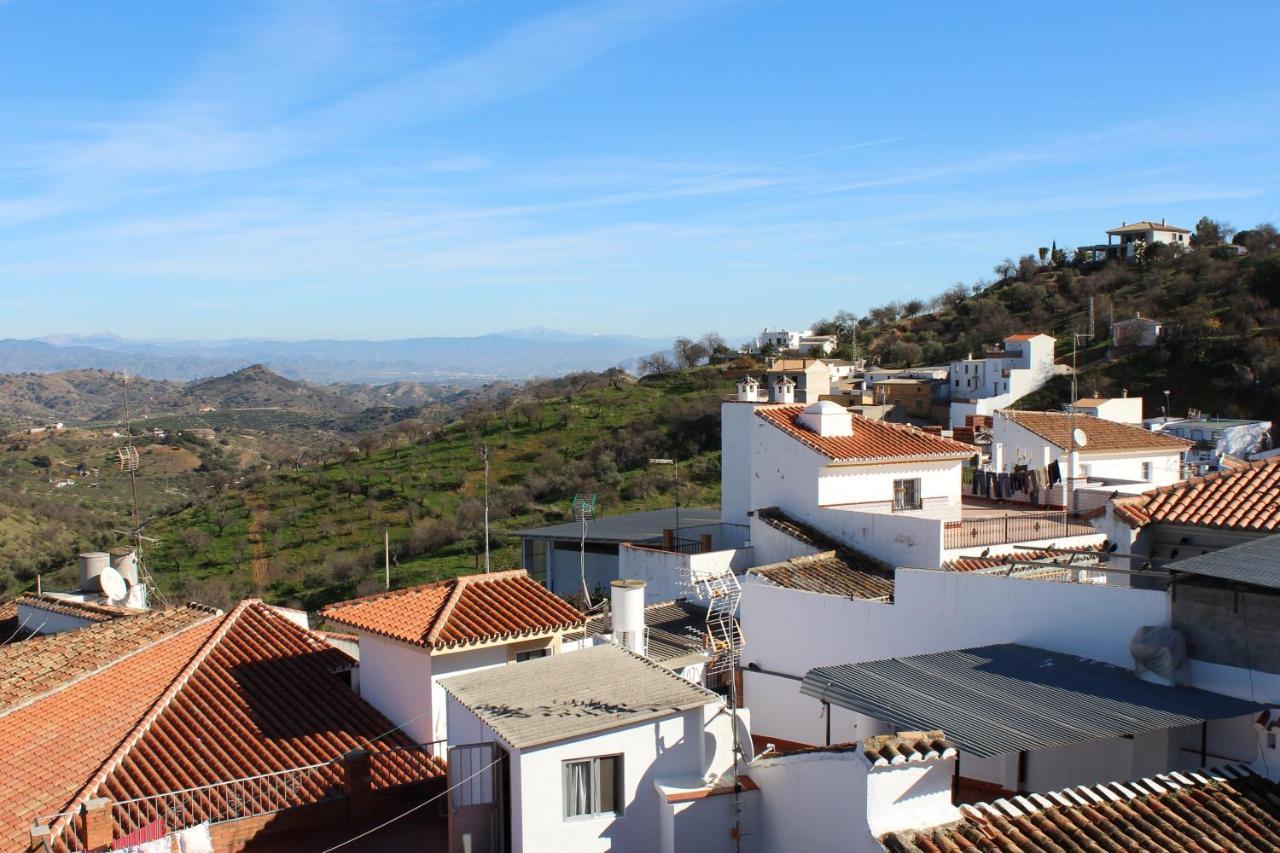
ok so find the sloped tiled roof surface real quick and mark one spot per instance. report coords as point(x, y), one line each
point(460, 611)
point(835, 570)
point(1145, 225)
point(40, 664)
point(563, 696)
point(1228, 809)
point(11, 628)
point(1246, 498)
point(225, 697)
point(1099, 434)
point(871, 440)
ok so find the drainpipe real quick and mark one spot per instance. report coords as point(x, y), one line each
point(826, 709)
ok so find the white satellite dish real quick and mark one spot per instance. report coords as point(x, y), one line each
point(113, 586)
point(1080, 438)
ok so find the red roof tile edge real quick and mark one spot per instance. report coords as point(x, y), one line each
point(1127, 508)
point(812, 440)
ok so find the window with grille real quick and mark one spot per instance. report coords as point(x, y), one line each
point(593, 787)
point(906, 494)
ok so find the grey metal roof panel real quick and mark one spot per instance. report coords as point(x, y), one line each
point(631, 527)
point(1256, 563)
point(567, 695)
point(1008, 698)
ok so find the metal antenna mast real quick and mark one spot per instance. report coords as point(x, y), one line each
point(485, 453)
point(1071, 426)
point(129, 460)
point(584, 510)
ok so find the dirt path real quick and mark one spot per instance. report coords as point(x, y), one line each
point(257, 513)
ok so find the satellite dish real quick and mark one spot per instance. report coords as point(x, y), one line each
point(113, 586)
point(1079, 437)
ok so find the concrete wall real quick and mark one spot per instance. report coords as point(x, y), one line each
point(395, 678)
point(897, 538)
point(565, 571)
point(666, 574)
point(736, 423)
point(1231, 628)
point(812, 800)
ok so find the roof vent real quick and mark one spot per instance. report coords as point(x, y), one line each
point(783, 390)
point(827, 419)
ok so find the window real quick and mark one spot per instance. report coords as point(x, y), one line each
point(906, 494)
point(1146, 472)
point(593, 787)
point(531, 654)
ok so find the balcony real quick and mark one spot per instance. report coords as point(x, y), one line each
point(1004, 527)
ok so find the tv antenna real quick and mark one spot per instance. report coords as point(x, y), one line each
point(584, 510)
point(129, 460)
point(1076, 437)
point(484, 452)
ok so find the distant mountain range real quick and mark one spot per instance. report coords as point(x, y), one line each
point(515, 355)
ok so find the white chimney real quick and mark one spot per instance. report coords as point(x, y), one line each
point(909, 781)
point(748, 390)
point(827, 418)
point(626, 614)
point(91, 565)
point(783, 390)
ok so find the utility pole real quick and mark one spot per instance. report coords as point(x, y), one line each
point(386, 554)
point(486, 509)
point(1071, 425)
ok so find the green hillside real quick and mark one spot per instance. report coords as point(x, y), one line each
point(1222, 310)
point(315, 534)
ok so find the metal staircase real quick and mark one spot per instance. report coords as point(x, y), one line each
point(722, 592)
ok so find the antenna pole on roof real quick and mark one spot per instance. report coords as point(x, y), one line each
point(386, 554)
point(485, 451)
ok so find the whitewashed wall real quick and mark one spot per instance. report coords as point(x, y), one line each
point(395, 678)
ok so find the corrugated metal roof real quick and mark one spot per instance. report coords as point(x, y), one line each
point(1256, 563)
point(562, 696)
point(1008, 698)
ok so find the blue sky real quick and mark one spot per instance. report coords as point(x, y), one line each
point(391, 169)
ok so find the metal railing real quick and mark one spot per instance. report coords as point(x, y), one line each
point(1014, 527)
point(237, 798)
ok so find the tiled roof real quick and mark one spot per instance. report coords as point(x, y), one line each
point(460, 611)
point(834, 570)
point(883, 750)
point(975, 564)
point(223, 697)
point(87, 610)
point(1145, 225)
point(11, 628)
point(1025, 336)
point(829, 572)
point(1228, 809)
point(565, 696)
point(1246, 498)
point(1099, 434)
point(872, 441)
point(30, 669)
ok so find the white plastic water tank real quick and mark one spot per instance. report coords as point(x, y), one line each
point(125, 561)
point(91, 564)
point(626, 614)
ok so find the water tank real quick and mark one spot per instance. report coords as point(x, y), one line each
point(626, 614)
point(125, 561)
point(91, 565)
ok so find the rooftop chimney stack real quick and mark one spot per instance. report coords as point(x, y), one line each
point(626, 614)
point(748, 390)
point(783, 390)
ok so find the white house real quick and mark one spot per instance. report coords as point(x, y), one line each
point(1103, 457)
point(782, 340)
point(886, 489)
point(1122, 410)
point(998, 378)
point(817, 344)
point(601, 750)
point(411, 638)
point(1131, 237)
point(1137, 331)
point(1215, 438)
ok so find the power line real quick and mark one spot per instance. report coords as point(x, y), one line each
point(408, 812)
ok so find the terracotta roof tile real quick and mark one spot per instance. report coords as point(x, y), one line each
point(227, 697)
point(899, 748)
point(1099, 434)
point(41, 664)
point(1025, 336)
point(1244, 498)
point(1231, 809)
point(872, 441)
point(835, 570)
point(460, 611)
point(87, 610)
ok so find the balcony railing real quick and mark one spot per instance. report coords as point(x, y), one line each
point(1014, 527)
